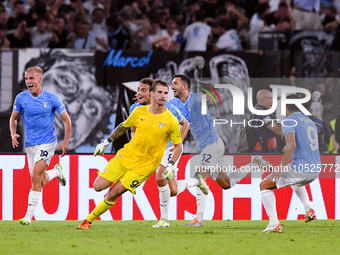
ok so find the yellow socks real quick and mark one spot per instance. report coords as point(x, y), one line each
point(102, 207)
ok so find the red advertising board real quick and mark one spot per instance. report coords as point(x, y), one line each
point(77, 198)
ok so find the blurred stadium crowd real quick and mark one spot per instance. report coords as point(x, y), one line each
point(176, 26)
point(167, 25)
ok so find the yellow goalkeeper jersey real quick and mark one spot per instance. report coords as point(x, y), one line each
point(144, 152)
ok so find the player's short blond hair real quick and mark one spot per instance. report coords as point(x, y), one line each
point(34, 69)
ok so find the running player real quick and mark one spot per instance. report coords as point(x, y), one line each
point(166, 187)
point(139, 159)
point(302, 147)
point(38, 108)
point(210, 146)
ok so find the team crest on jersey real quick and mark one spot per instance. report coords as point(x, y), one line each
point(161, 125)
point(104, 170)
point(45, 104)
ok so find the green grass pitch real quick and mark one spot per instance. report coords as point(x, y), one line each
point(138, 237)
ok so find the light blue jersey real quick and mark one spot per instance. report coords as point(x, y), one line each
point(306, 157)
point(173, 109)
point(201, 126)
point(38, 115)
point(183, 107)
point(134, 106)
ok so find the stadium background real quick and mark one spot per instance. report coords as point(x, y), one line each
point(108, 71)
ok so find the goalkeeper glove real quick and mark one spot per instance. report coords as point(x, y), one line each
point(100, 149)
point(169, 170)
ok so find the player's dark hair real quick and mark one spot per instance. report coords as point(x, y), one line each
point(293, 107)
point(158, 82)
point(184, 78)
point(147, 81)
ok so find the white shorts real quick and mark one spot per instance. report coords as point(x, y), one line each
point(212, 158)
point(39, 152)
point(290, 177)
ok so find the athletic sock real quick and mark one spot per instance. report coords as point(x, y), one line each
point(33, 199)
point(302, 194)
point(102, 207)
point(269, 203)
point(187, 183)
point(201, 200)
point(240, 173)
point(52, 174)
point(164, 201)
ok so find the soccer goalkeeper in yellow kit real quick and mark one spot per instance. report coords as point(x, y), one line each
point(139, 159)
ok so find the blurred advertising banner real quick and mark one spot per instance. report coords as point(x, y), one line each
point(91, 85)
point(242, 202)
point(95, 85)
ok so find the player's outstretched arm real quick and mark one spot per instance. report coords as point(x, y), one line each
point(68, 126)
point(177, 151)
point(289, 150)
point(117, 132)
point(13, 129)
point(185, 128)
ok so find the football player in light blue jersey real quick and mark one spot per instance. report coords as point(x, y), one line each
point(201, 126)
point(184, 107)
point(210, 147)
point(302, 146)
point(166, 182)
point(38, 107)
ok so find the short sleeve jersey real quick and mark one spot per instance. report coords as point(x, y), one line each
point(38, 115)
point(173, 109)
point(144, 152)
point(306, 157)
point(201, 126)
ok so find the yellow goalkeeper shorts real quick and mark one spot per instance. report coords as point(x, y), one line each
point(114, 171)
